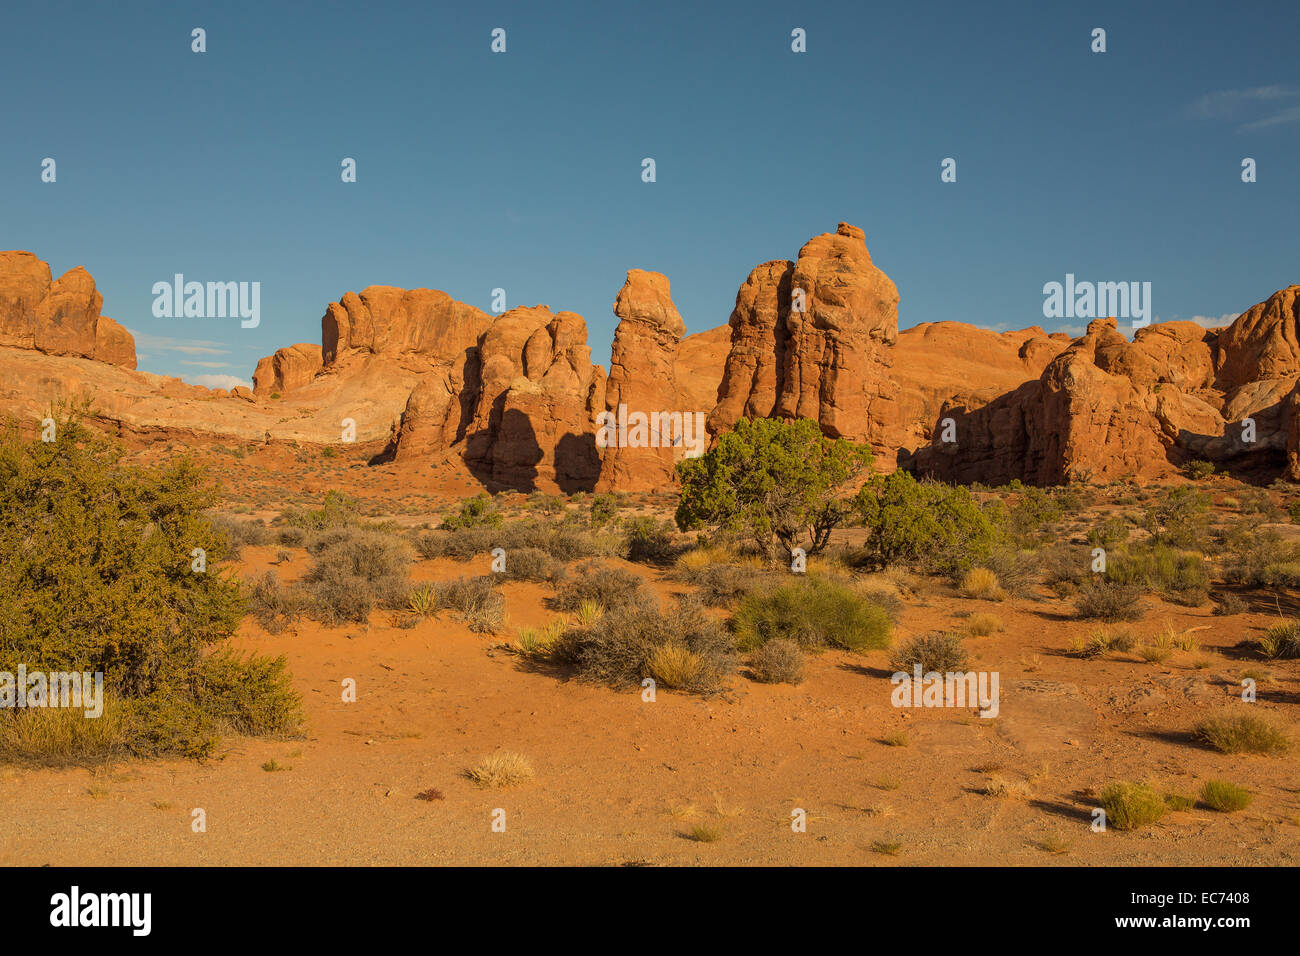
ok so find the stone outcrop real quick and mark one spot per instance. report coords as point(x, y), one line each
point(642, 380)
point(60, 317)
point(811, 339)
point(1107, 408)
point(287, 370)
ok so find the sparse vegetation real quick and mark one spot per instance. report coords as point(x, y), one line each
point(1130, 806)
point(925, 524)
point(501, 770)
point(1238, 733)
point(778, 661)
point(1225, 797)
point(934, 652)
point(813, 613)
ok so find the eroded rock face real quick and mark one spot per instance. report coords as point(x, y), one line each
point(812, 340)
point(837, 352)
point(1107, 408)
point(385, 320)
point(60, 317)
point(536, 400)
point(642, 380)
point(288, 369)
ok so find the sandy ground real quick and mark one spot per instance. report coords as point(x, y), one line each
point(622, 781)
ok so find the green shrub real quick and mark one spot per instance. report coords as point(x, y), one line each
point(1130, 806)
point(1243, 734)
point(649, 540)
point(1224, 796)
point(249, 694)
point(772, 481)
point(1293, 511)
point(336, 511)
point(1032, 515)
point(97, 574)
point(923, 524)
point(1180, 576)
point(604, 509)
point(1259, 558)
point(477, 512)
point(814, 613)
point(934, 652)
point(1198, 470)
point(1110, 533)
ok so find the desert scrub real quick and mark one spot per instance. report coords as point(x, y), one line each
point(532, 564)
point(1238, 733)
point(274, 604)
point(337, 510)
point(934, 652)
point(649, 540)
point(623, 646)
point(96, 575)
point(477, 601)
point(1180, 518)
point(610, 587)
point(724, 584)
point(1182, 577)
point(1225, 797)
point(1130, 806)
point(1282, 640)
point(1109, 601)
point(926, 524)
point(982, 625)
point(239, 532)
point(778, 661)
point(814, 613)
point(501, 770)
point(357, 570)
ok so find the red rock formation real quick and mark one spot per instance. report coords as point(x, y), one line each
point(537, 397)
point(288, 369)
point(813, 340)
point(642, 381)
point(60, 317)
point(1108, 408)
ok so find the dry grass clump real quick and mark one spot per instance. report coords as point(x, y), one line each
point(779, 661)
point(1237, 733)
point(477, 601)
point(501, 770)
point(1281, 641)
point(1130, 806)
point(1006, 788)
point(983, 584)
point(982, 625)
point(357, 570)
point(1224, 796)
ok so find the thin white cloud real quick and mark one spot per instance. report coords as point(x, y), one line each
point(1255, 108)
point(208, 364)
point(220, 381)
point(167, 343)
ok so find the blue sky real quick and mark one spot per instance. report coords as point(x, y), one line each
point(523, 170)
